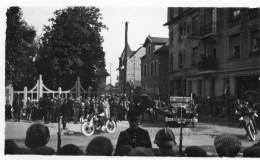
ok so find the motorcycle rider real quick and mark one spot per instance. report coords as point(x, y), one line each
point(101, 110)
point(242, 108)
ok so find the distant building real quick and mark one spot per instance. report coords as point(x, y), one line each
point(122, 65)
point(134, 71)
point(214, 50)
point(151, 78)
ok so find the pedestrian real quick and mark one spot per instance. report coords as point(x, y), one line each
point(64, 109)
point(134, 135)
point(165, 140)
point(76, 110)
point(106, 107)
point(46, 108)
point(114, 109)
point(17, 105)
point(71, 107)
point(100, 146)
point(8, 111)
point(28, 108)
point(88, 108)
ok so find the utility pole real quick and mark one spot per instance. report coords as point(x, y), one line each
point(125, 58)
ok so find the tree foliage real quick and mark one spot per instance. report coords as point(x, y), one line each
point(71, 47)
point(20, 48)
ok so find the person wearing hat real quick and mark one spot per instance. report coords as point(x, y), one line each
point(37, 136)
point(134, 135)
point(165, 140)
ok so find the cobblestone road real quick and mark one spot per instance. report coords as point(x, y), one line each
point(203, 134)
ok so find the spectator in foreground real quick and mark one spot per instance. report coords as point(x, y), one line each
point(252, 152)
point(99, 146)
point(124, 150)
point(38, 135)
point(12, 148)
point(195, 151)
point(141, 151)
point(227, 145)
point(165, 140)
point(133, 136)
point(70, 149)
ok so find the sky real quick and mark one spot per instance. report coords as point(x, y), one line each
point(144, 17)
point(142, 22)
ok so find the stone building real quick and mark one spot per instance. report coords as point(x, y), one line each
point(151, 79)
point(213, 50)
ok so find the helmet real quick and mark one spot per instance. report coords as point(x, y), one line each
point(37, 135)
point(165, 137)
point(227, 145)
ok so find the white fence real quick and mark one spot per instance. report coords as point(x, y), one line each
point(40, 89)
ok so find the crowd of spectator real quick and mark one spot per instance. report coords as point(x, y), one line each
point(134, 141)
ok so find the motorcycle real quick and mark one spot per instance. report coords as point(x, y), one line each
point(93, 123)
point(246, 121)
point(153, 113)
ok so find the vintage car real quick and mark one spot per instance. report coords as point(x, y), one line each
point(181, 111)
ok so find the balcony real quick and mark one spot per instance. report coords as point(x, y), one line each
point(234, 21)
point(207, 63)
point(208, 30)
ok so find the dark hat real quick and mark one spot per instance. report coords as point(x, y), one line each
point(252, 152)
point(227, 145)
point(133, 114)
point(165, 137)
point(44, 150)
point(100, 146)
point(140, 151)
point(195, 151)
point(37, 135)
point(70, 149)
point(124, 150)
point(10, 147)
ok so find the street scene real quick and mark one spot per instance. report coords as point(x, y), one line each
point(75, 87)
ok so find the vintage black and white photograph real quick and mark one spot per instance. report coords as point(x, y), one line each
point(131, 80)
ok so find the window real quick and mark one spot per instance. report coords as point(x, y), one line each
point(195, 25)
point(189, 87)
point(149, 50)
point(155, 68)
point(171, 37)
point(234, 51)
point(214, 52)
point(151, 71)
point(233, 17)
point(184, 58)
point(180, 60)
point(199, 87)
point(171, 63)
point(254, 43)
point(182, 30)
point(194, 56)
point(145, 71)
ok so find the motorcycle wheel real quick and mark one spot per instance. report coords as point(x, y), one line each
point(110, 126)
point(251, 131)
point(87, 129)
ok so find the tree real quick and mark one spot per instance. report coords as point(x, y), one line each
point(20, 50)
point(71, 47)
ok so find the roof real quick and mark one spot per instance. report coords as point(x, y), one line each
point(143, 57)
point(157, 40)
point(102, 72)
point(163, 49)
point(133, 53)
point(129, 52)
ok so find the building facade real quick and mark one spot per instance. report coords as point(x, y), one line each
point(122, 78)
point(134, 71)
point(213, 50)
point(150, 66)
